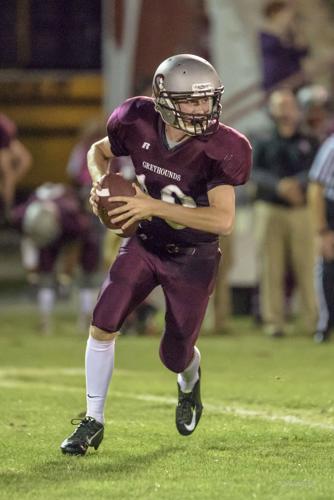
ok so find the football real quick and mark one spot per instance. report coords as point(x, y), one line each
point(114, 185)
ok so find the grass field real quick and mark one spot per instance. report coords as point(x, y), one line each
point(266, 431)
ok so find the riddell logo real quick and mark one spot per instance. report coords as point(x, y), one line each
point(146, 145)
point(200, 87)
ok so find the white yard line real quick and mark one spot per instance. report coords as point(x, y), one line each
point(42, 372)
point(266, 415)
point(233, 410)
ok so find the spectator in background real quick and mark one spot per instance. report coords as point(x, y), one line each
point(317, 113)
point(282, 46)
point(53, 218)
point(321, 198)
point(80, 180)
point(283, 230)
point(77, 170)
point(15, 161)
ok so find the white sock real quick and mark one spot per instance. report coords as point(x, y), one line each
point(99, 367)
point(46, 300)
point(87, 300)
point(188, 378)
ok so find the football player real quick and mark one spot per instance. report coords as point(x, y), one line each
point(15, 161)
point(187, 164)
point(52, 219)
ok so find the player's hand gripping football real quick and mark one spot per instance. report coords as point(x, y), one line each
point(138, 207)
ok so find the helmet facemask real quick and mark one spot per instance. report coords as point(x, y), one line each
point(168, 104)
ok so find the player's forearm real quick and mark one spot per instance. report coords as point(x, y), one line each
point(97, 163)
point(209, 219)
point(98, 158)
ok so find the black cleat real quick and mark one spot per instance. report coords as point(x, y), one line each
point(189, 408)
point(89, 432)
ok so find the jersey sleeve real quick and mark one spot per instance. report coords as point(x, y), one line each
point(119, 124)
point(234, 167)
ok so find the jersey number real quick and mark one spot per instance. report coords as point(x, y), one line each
point(171, 194)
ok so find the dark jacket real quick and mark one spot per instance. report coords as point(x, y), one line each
point(276, 157)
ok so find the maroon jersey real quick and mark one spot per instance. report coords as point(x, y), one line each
point(72, 220)
point(7, 131)
point(182, 174)
point(75, 224)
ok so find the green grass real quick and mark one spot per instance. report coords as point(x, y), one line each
point(266, 431)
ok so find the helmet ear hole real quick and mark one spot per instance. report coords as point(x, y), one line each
point(187, 77)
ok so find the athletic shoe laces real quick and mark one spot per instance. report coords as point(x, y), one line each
point(186, 405)
point(85, 426)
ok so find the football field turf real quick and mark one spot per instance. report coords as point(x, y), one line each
point(267, 430)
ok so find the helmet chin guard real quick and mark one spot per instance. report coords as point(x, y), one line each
point(186, 77)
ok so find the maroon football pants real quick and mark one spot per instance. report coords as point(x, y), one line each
point(186, 280)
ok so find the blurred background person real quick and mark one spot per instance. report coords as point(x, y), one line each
point(79, 178)
point(76, 169)
point(15, 161)
point(321, 198)
point(53, 218)
point(283, 230)
point(282, 46)
point(317, 108)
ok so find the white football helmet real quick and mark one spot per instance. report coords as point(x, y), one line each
point(313, 95)
point(186, 77)
point(41, 222)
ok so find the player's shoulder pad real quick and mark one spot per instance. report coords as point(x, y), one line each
point(227, 141)
point(133, 109)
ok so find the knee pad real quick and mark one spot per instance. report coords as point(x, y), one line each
point(176, 360)
point(99, 334)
